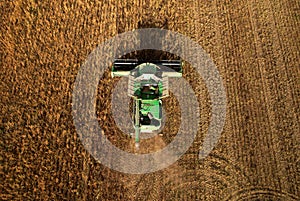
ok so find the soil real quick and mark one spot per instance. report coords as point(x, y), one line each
point(255, 46)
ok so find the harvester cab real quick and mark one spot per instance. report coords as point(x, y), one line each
point(148, 84)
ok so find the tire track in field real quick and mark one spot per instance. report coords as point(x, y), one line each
point(277, 92)
point(236, 45)
point(261, 193)
point(286, 24)
point(258, 49)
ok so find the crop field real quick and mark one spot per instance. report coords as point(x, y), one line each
point(255, 46)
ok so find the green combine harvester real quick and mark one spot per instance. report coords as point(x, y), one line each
point(148, 84)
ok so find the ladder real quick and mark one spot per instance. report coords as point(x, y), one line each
point(131, 85)
point(165, 81)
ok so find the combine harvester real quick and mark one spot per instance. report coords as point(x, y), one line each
point(148, 84)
